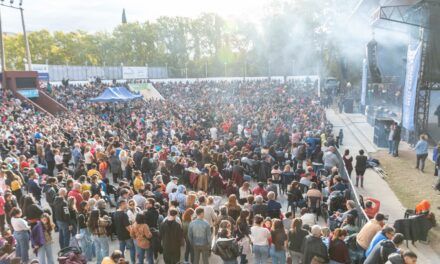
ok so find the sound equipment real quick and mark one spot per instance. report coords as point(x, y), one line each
point(372, 62)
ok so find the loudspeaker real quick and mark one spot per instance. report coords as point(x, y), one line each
point(372, 62)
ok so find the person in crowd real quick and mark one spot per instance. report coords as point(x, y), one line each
point(349, 225)
point(384, 249)
point(171, 234)
point(396, 139)
point(406, 257)
point(122, 229)
point(296, 237)
point(348, 161)
point(372, 207)
point(360, 168)
point(313, 246)
point(369, 230)
point(273, 206)
point(186, 220)
point(243, 232)
point(62, 218)
point(260, 240)
point(421, 152)
point(226, 247)
point(259, 208)
point(387, 232)
point(279, 242)
point(199, 236)
point(42, 241)
point(85, 236)
point(114, 258)
point(307, 218)
point(337, 249)
point(21, 234)
point(98, 224)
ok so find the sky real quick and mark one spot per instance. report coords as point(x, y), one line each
point(104, 15)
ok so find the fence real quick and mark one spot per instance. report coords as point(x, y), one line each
point(83, 73)
point(362, 217)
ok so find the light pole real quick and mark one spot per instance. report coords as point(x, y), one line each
point(166, 66)
point(3, 56)
point(293, 67)
point(225, 68)
point(26, 41)
point(186, 70)
point(148, 74)
point(245, 69)
point(206, 69)
point(86, 70)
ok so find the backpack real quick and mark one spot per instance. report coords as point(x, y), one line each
point(15, 185)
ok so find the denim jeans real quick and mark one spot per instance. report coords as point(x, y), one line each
point(390, 146)
point(22, 248)
point(278, 257)
point(141, 253)
point(86, 243)
point(296, 256)
point(64, 238)
point(201, 250)
point(101, 247)
point(46, 252)
point(261, 253)
point(128, 244)
point(189, 253)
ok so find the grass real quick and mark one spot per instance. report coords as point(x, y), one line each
point(411, 185)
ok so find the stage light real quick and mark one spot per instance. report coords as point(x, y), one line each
point(20, 3)
point(12, 1)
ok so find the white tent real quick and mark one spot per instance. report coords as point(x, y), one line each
point(147, 90)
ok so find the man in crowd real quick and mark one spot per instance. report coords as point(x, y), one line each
point(199, 235)
point(122, 226)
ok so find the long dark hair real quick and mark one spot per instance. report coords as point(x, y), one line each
point(92, 224)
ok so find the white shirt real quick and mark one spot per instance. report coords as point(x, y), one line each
point(209, 214)
point(260, 236)
point(170, 186)
point(88, 158)
point(213, 131)
point(19, 224)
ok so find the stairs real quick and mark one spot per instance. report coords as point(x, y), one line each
point(44, 103)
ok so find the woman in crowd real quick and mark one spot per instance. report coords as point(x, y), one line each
point(338, 250)
point(42, 240)
point(421, 152)
point(296, 237)
point(360, 168)
point(85, 238)
point(260, 239)
point(286, 178)
point(279, 242)
point(186, 220)
point(243, 232)
point(226, 247)
point(21, 234)
point(244, 192)
point(97, 225)
point(141, 234)
point(233, 207)
point(348, 161)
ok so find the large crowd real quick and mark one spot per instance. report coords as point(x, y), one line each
point(246, 170)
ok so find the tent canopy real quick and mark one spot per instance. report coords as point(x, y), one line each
point(115, 94)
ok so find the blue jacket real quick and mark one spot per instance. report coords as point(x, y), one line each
point(199, 233)
point(422, 147)
point(181, 197)
point(376, 240)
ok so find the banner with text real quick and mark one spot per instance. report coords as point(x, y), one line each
point(410, 89)
point(134, 73)
point(364, 81)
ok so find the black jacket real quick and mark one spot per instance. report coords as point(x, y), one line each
point(296, 240)
point(380, 253)
point(414, 228)
point(60, 210)
point(226, 248)
point(313, 246)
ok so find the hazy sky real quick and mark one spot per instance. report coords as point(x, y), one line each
point(99, 15)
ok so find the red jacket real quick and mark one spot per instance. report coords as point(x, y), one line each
point(77, 195)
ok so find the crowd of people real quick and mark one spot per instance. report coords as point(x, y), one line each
point(246, 170)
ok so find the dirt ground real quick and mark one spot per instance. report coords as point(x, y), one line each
point(411, 185)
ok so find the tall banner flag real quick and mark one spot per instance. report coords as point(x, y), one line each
point(364, 81)
point(410, 89)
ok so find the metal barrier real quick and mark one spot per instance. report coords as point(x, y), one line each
point(362, 216)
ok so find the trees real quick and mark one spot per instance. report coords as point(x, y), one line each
point(295, 35)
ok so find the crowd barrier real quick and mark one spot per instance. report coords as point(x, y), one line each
point(362, 217)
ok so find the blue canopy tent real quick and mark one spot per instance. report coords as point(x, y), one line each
point(115, 94)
